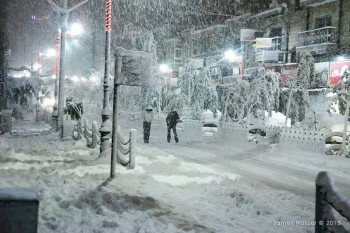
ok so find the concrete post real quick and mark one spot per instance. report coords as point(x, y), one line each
point(118, 69)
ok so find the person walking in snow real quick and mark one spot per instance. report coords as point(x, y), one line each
point(147, 117)
point(171, 120)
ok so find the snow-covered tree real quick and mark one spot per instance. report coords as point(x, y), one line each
point(264, 91)
point(200, 93)
point(24, 95)
point(298, 95)
point(305, 77)
point(235, 100)
point(243, 98)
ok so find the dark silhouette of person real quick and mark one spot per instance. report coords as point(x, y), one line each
point(171, 120)
point(147, 116)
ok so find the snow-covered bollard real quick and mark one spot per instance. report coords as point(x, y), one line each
point(95, 140)
point(326, 200)
point(78, 130)
point(19, 208)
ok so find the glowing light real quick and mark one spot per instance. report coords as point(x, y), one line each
point(75, 79)
point(230, 55)
point(76, 29)
point(164, 68)
point(48, 102)
point(51, 53)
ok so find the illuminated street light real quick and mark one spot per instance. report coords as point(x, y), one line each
point(231, 56)
point(76, 29)
point(164, 68)
point(63, 12)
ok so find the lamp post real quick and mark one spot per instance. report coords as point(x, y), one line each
point(231, 56)
point(64, 19)
point(57, 68)
point(63, 12)
point(106, 126)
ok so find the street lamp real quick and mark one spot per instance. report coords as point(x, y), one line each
point(76, 29)
point(231, 56)
point(63, 12)
point(165, 69)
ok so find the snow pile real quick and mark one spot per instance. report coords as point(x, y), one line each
point(30, 128)
point(208, 117)
point(276, 119)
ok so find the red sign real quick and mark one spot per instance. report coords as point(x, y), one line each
point(337, 70)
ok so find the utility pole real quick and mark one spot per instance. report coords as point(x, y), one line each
point(63, 12)
point(62, 74)
point(106, 126)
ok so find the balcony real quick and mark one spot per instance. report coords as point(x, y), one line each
point(318, 40)
point(315, 3)
point(273, 52)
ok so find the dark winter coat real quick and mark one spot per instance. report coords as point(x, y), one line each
point(172, 119)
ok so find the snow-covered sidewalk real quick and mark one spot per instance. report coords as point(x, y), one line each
point(164, 193)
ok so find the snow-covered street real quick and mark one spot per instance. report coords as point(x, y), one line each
point(197, 185)
point(174, 116)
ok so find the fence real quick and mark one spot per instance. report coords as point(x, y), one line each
point(126, 146)
point(289, 137)
point(328, 200)
point(304, 139)
point(91, 135)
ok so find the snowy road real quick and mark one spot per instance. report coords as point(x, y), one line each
point(261, 163)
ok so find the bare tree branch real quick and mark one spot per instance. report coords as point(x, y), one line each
point(76, 6)
point(33, 73)
point(54, 7)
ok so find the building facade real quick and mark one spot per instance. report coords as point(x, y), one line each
point(272, 36)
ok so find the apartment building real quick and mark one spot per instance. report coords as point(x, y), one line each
point(272, 37)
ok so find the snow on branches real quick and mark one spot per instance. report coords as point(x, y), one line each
point(242, 98)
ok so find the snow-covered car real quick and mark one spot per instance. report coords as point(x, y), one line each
point(209, 129)
point(255, 134)
point(210, 123)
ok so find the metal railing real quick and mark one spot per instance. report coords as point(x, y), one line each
point(276, 44)
point(328, 200)
point(325, 35)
